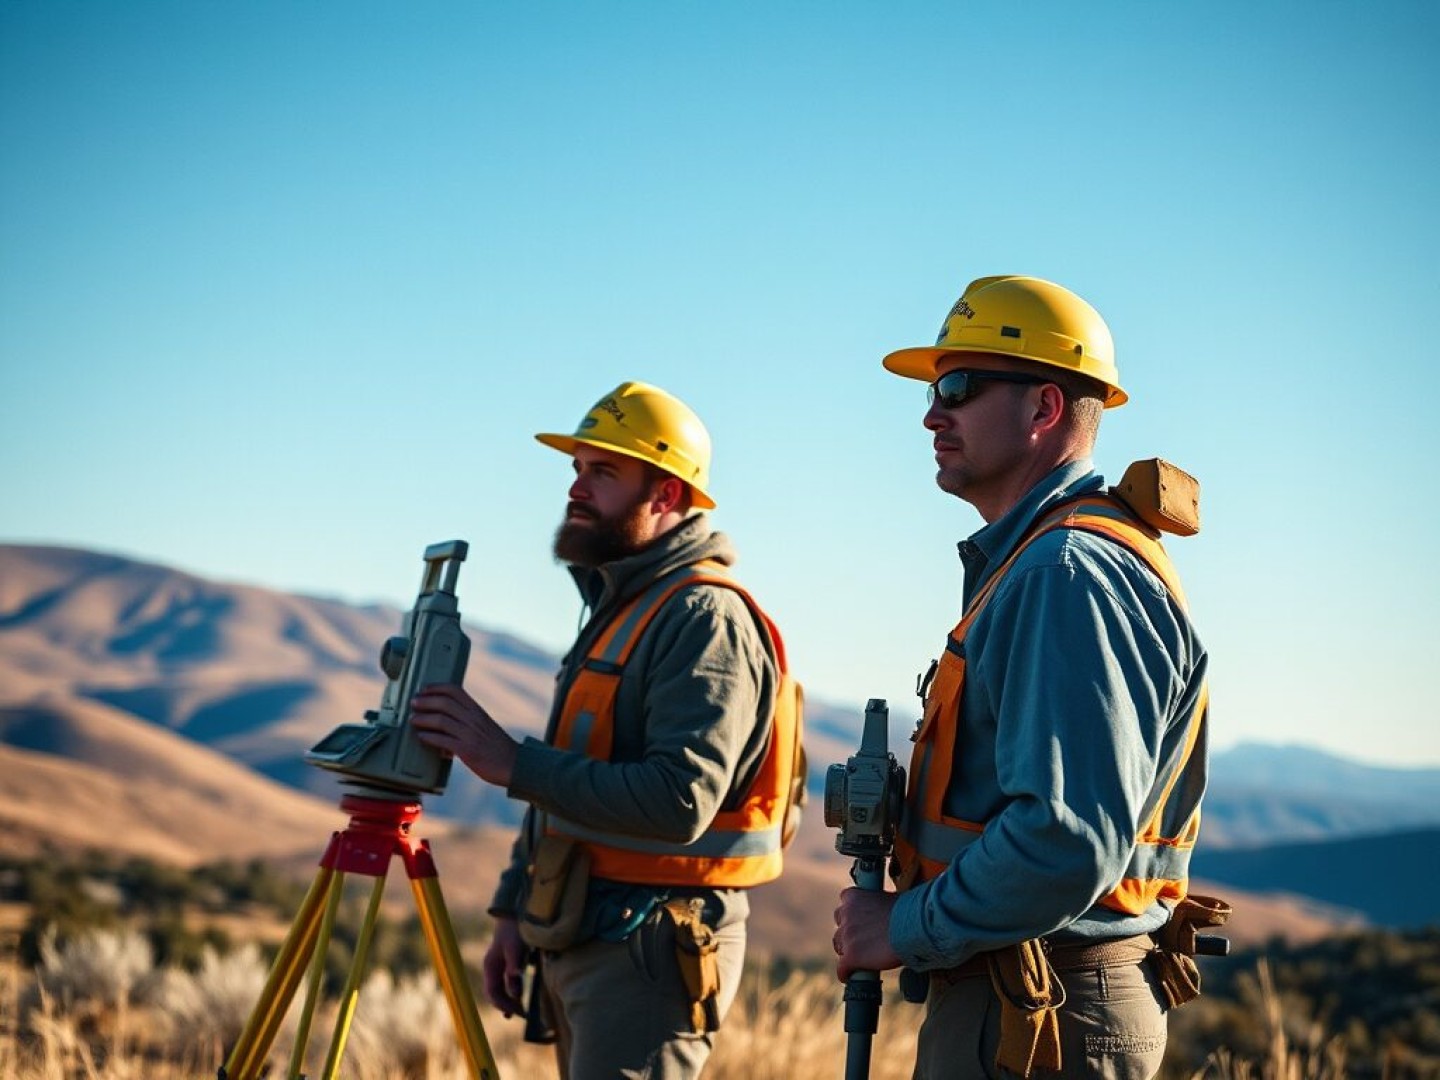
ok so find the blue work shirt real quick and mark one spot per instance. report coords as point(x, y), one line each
point(1081, 674)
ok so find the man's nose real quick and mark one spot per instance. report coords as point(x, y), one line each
point(579, 490)
point(937, 418)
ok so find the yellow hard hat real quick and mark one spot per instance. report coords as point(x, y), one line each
point(643, 421)
point(1026, 318)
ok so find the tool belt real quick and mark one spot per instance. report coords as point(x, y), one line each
point(698, 953)
point(1114, 953)
point(1024, 978)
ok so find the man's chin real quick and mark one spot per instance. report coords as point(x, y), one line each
point(570, 542)
point(952, 482)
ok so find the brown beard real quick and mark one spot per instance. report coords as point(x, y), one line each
point(602, 540)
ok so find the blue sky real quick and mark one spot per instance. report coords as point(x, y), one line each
point(285, 289)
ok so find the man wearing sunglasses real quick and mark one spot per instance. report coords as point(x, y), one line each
point(666, 782)
point(1055, 781)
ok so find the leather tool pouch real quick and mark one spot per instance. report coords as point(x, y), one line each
point(1164, 496)
point(1029, 997)
point(1173, 961)
point(555, 903)
point(698, 954)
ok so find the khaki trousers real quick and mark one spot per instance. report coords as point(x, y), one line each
point(621, 1009)
point(1112, 1027)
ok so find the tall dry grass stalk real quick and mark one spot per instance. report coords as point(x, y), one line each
point(196, 1012)
point(9, 1003)
point(1297, 1047)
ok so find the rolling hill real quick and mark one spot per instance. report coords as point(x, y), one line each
point(163, 714)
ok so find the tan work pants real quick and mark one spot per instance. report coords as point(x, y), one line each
point(621, 1009)
point(1112, 1027)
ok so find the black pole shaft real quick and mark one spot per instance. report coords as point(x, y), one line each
point(857, 1058)
point(863, 988)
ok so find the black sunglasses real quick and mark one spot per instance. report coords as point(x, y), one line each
point(954, 388)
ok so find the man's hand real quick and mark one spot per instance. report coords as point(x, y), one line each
point(862, 932)
point(503, 966)
point(447, 718)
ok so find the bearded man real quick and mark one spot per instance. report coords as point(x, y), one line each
point(658, 795)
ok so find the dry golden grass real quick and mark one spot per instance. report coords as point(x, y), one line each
point(96, 1010)
point(1317, 1056)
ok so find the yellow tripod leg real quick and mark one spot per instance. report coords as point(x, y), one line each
point(247, 1057)
point(350, 995)
point(450, 968)
point(317, 976)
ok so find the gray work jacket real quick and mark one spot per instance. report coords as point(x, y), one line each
point(692, 713)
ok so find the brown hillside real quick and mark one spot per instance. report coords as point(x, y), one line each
point(180, 804)
point(150, 712)
point(258, 675)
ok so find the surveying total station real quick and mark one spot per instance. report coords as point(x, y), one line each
point(387, 769)
point(862, 799)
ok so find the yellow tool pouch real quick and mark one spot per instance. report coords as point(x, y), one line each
point(1173, 960)
point(698, 954)
point(559, 874)
point(1029, 996)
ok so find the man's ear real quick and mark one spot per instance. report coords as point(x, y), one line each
point(667, 495)
point(1049, 409)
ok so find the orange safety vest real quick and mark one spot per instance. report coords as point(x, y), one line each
point(929, 838)
point(741, 847)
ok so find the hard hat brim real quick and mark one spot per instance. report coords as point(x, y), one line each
point(918, 363)
point(566, 445)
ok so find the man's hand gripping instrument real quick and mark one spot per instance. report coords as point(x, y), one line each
point(384, 753)
point(863, 798)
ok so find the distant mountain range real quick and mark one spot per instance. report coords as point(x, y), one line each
point(1269, 794)
point(170, 713)
point(1392, 878)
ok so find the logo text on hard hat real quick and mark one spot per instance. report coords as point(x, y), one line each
point(960, 308)
point(608, 405)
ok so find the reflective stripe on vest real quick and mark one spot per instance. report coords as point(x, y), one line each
point(741, 847)
point(929, 838)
